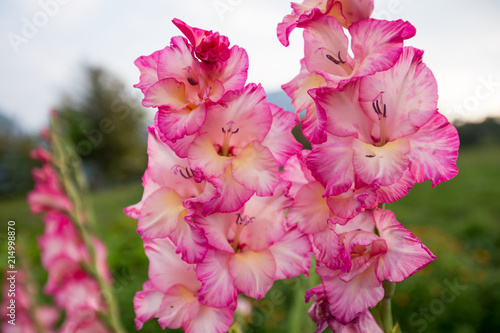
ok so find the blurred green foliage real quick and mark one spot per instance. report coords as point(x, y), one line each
point(458, 221)
point(107, 127)
point(15, 163)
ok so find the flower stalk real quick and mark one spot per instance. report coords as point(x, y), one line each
point(73, 183)
point(389, 288)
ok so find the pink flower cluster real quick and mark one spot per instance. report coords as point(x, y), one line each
point(63, 252)
point(213, 213)
point(23, 308)
point(372, 119)
point(217, 216)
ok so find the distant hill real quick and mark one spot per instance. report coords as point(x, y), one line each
point(485, 133)
point(281, 99)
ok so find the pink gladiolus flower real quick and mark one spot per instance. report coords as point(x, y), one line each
point(41, 154)
point(180, 84)
point(46, 316)
point(209, 47)
point(320, 314)
point(393, 132)
point(169, 183)
point(313, 208)
point(250, 249)
point(345, 11)
point(63, 252)
point(353, 281)
point(83, 321)
point(171, 294)
point(376, 46)
point(240, 147)
point(47, 194)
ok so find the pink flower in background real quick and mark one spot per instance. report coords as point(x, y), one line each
point(44, 315)
point(345, 11)
point(376, 46)
point(353, 281)
point(63, 253)
point(385, 138)
point(171, 294)
point(83, 321)
point(47, 194)
point(41, 154)
point(183, 77)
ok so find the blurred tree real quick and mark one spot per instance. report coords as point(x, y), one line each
point(487, 132)
point(107, 127)
point(15, 163)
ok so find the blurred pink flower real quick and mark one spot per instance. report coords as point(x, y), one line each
point(46, 316)
point(47, 194)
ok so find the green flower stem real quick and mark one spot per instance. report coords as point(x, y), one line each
point(79, 216)
point(384, 313)
point(389, 288)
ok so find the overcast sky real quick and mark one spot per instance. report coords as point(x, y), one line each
point(42, 55)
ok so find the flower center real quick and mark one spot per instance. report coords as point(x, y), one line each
point(382, 114)
point(336, 58)
point(191, 76)
point(241, 222)
point(188, 173)
point(228, 132)
point(185, 172)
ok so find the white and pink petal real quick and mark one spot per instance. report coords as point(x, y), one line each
point(166, 268)
point(280, 140)
point(349, 299)
point(434, 151)
point(211, 320)
point(256, 169)
point(310, 210)
point(168, 93)
point(178, 306)
point(331, 163)
point(253, 272)
point(160, 213)
point(218, 286)
point(405, 255)
point(381, 166)
point(175, 124)
point(292, 255)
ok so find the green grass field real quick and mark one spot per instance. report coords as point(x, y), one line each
point(458, 220)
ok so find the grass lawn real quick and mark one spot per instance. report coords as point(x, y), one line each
point(459, 221)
